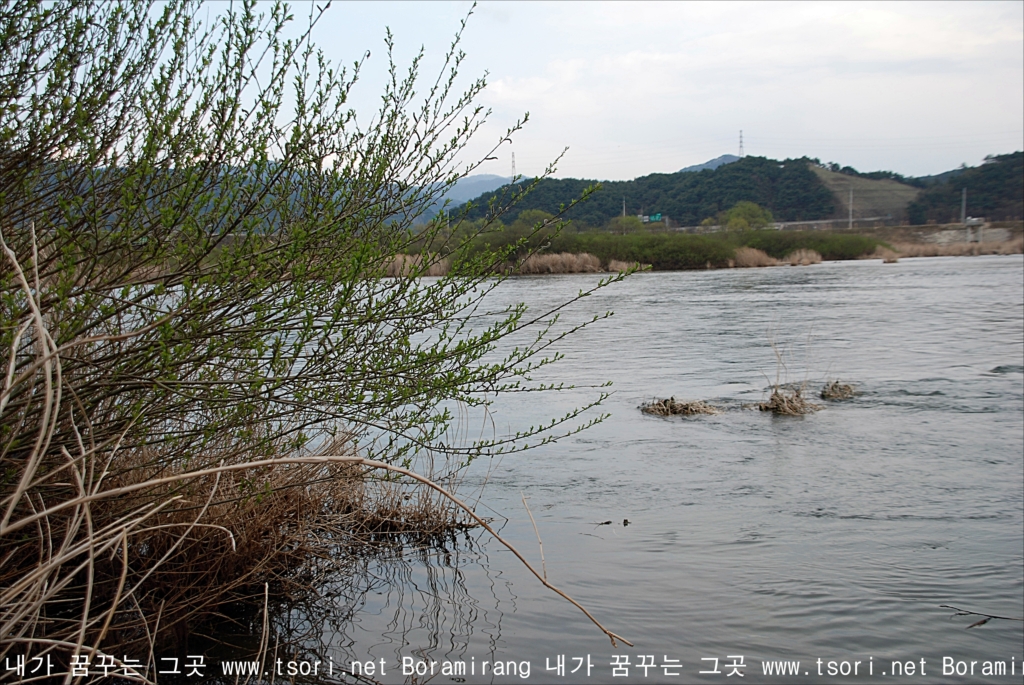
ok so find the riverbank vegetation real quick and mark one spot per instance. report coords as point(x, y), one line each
point(960, 249)
point(539, 249)
point(533, 235)
point(217, 383)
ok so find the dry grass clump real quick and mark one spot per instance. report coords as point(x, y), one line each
point(562, 263)
point(803, 257)
point(672, 407)
point(409, 265)
point(112, 539)
point(619, 265)
point(787, 402)
point(1004, 247)
point(750, 257)
point(885, 254)
point(164, 548)
point(390, 510)
point(834, 390)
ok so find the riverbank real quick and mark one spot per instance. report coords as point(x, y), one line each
point(593, 252)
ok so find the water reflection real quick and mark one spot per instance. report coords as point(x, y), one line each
point(384, 601)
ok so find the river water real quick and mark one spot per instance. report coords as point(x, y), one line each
point(751, 538)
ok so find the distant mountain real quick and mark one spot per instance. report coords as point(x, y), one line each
point(875, 193)
point(917, 182)
point(712, 164)
point(995, 190)
point(925, 181)
point(473, 186)
point(793, 190)
point(788, 188)
point(466, 189)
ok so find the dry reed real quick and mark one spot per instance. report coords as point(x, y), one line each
point(673, 407)
point(885, 254)
point(786, 399)
point(165, 545)
point(562, 263)
point(1005, 247)
point(803, 257)
point(164, 549)
point(750, 257)
point(619, 265)
point(403, 265)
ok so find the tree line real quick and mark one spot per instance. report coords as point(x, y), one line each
point(785, 190)
point(995, 190)
point(788, 189)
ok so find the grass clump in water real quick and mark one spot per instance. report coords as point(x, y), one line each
point(787, 401)
point(834, 390)
point(673, 407)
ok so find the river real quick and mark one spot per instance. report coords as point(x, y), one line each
point(752, 539)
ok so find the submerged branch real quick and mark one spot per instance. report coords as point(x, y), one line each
point(983, 621)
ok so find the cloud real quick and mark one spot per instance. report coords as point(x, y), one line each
point(639, 87)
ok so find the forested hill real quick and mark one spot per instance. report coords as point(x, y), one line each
point(789, 189)
point(995, 191)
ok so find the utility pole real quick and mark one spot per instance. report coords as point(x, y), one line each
point(963, 212)
point(741, 142)
point(623, 205)
point(513, 168)
point(850, 209)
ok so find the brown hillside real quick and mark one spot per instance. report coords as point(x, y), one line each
point(871, 198)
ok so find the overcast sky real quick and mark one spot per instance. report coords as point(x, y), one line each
point(636, 88)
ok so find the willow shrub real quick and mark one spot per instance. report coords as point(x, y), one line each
point(197, 230)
